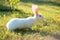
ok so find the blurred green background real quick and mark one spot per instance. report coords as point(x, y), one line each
point(49, 29)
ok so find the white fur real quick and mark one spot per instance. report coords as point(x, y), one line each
point(23, 22)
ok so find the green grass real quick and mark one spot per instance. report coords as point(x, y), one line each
point(49, 28)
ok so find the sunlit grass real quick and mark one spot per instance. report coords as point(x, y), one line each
point(50, 26)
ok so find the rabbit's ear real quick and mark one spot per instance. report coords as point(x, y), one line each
point(35, 9)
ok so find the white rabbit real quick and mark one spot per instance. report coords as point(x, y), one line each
point(25, 22)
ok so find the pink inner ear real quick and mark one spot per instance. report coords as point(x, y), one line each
point(36, 10)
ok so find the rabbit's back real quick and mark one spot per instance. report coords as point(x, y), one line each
point(19, 23)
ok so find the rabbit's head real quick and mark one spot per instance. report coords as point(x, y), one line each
point(40, 17)
point(35, 11)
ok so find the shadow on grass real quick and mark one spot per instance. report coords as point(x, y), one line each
point(7, 9)
point(41, 2)
point(30, 31)
point(4, 10)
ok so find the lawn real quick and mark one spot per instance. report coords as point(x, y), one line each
point(47, 30)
